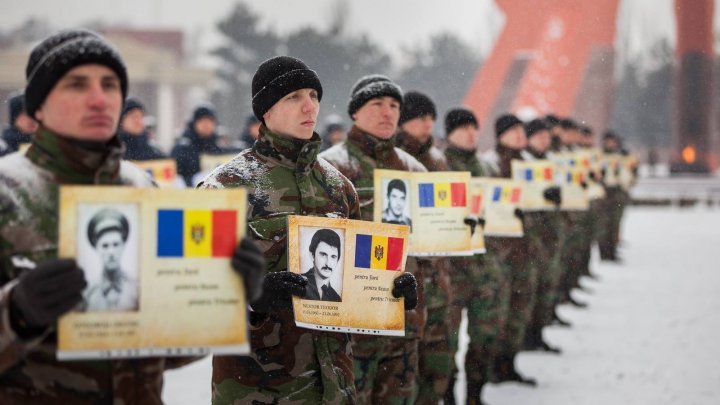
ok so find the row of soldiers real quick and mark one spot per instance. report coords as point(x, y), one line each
point(76, 85)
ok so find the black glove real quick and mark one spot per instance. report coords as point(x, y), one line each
point(519, 214)
point(553, 194)
point(481, 222)
point(249, 263)
point(584, 185)
point(472, 223)
point(45, 293)
point(594, 177)
point(277, 289)
point(405, 286)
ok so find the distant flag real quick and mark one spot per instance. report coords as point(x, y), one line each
point(378, 252)
point(442, 195)
point(475, 204)
point(196, 233)
point(506, 194)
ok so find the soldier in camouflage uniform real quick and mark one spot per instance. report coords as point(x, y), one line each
point(76, 85)
point(436, 361)
point(542, 230)
point(474, 286)
point(613, 206)
point(386, 368)
point(589, 222)
point(284, 177)
point(574, 238)
point(508, 258)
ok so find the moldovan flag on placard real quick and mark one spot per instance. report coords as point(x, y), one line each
point(196, 233)
point(378, 252)
point(538, 174)
point(506, 194)
point(442, 195)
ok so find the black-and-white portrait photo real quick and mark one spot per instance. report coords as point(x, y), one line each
point(108, 253)
point(396, 202)
point(321, 251)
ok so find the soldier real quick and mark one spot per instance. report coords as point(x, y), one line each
point(612, 208)
point(133, 134)
point(474, 286)
point(542, 230)
point(436, 361)
point(199, 137)
point(589, 222)
point(385, 367)
point(76, 84)
point(21, 127)
point(285, 177)
point(509, 256)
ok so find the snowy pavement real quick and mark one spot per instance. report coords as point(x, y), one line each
point(651, 333)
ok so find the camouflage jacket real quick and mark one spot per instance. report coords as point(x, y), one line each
point(357, 157)
point(29, 189)
point(284, 177)
point(425, 152)
point(463, 160)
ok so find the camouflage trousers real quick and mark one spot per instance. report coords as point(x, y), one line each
point(477, 287)
point(571, 255)
point(435, 356)
point(589, 225)
point(523, 283)
point(544, 245)
point(386, 369)
point(495, 280)
point(609, 226)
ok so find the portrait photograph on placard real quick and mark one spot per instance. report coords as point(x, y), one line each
point(396, 202)
point(108, 246)
point(322, 250)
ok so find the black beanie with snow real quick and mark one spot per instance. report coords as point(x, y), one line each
point(458, 117)
point(58, 54)
point(277, 77)
point(505, 122)
point(416, 105)
point(372, 86)
point(535, 126)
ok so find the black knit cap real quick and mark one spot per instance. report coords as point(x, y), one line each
point(416, 105)
point(16, 105)
point(505, 122)
point(204, 110)
point(277, 77)
point(458, 117)
point(372, 86)
point(59, 53)
point(535, 126)
point(132, 103)
point(568, 124)
point(552, 120)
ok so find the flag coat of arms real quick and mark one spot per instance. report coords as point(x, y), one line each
point(196, 233)
point(378, 252)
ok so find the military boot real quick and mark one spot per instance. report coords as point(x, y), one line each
point(505, 371)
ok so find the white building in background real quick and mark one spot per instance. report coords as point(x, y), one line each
point(159, 75)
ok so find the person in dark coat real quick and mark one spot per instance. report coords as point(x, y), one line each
point(200, 137)
point(134, 135)
point(21, 126)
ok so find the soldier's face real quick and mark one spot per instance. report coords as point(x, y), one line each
point(540, 141)
point(110, 247)
point(205, 126)
point(465, 137)
point(295, 115)
point(514, 138)
point(132, 122)
point(325, 259)
point(84, 104)
point(396, 202)
point(378, 117)
point(420, 127)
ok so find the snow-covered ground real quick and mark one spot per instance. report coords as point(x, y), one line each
point(651, 333)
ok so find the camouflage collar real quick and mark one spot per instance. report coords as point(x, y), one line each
point(297, 154)
point(76, 162)
point(462, 154)
point(412, 145)
point(370, 145)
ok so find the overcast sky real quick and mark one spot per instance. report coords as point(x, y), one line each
point(392, 23)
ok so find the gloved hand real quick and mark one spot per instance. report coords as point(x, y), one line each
point(594, 177)
point(472, 223)
point(553, 194)
point(405, 286)
point(277, 289)
point(45, 293)
point(584, 185)
point(249, 263)
point(519, 214)
point(481, 222)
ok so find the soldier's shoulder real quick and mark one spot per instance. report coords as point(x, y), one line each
point(16, 169)
point(411, 164)
point(332, 174)
point(438, 156)
point(244, 169)
point(337, 155)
